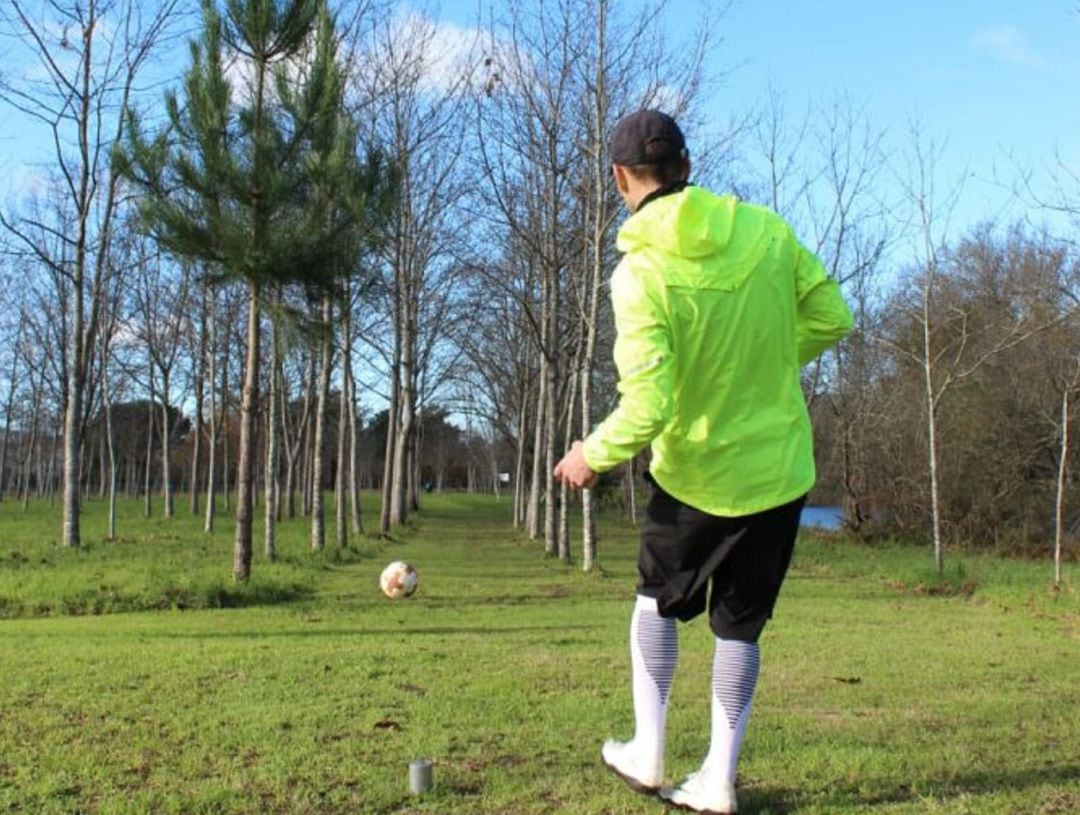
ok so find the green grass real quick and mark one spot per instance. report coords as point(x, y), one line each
point(879, 693)
point(155, 563)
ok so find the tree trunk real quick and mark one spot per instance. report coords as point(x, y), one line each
point(550, 542)
point(76, 371)
point(289, 450)
point(106, 402)
point(211, 464)
point(246, 468)
point(595, 273)
point(388, 456)
point(399, 487)
point(1063, 469)
point(340, 498)
point(272, 455)
point(532, 517)
point(200, 391)
point(4, 451)
point(148, 505)
point(102, 463)
point(226, 472)
point(294, 444)
point(354, 463)
point(519, 462)
point(309, 431)
point(30, 455)
point(28, 458)
point(8, 408)
point(416, 440)
point(564, 491)
point(166, 463)
point(931, 425)
point(318, 509)
point(72, 412)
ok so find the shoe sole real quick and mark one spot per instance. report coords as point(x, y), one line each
point(687, 808)
point(629, 780)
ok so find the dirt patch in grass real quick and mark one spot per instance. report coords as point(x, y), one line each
point(1060, 802)
point(936, 587)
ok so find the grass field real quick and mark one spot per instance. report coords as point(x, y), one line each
point(882, 690)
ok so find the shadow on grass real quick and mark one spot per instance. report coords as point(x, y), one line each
point(110, 599)
point(883, 792)
point(262, 594)
point(546, 595)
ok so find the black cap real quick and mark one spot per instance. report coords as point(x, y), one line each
point(646, 137)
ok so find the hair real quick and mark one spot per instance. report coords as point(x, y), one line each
point(667, 172)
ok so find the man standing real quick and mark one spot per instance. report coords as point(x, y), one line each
point(717, 307)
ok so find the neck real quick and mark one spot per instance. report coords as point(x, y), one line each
point(655, 191)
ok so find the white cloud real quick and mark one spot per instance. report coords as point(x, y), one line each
point(451, 54)
point(439, 54)
point(666, 98)
point(1009, 44)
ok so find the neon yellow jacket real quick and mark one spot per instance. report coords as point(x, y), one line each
point(717, 307)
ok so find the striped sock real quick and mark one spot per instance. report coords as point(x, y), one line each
point(654, 651)
point(735, 673)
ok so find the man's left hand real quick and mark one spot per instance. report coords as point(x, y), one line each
point(573, 469)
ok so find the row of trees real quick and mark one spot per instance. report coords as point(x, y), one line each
point(329, 210)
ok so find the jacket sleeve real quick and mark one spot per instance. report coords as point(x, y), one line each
point(644, 359)
point(822, 318)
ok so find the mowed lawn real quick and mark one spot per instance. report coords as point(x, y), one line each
point(313, 692)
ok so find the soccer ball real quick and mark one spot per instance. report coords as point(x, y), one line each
point(399, 579)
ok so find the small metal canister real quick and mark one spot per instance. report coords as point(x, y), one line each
point(419, 776)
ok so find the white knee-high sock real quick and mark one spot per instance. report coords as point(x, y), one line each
point(654, 651)
point(735, 673)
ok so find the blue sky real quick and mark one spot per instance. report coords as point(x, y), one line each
point(988, 78)
point(992, 80)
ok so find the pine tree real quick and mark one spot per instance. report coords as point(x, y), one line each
point(260, 184)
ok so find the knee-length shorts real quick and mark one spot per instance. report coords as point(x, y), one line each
point(689, 560)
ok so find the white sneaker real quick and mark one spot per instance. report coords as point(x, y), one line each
point(702, 792)
point(642, 774)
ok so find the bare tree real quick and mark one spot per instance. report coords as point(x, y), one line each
point(111, 323)
point(556, 78)
point(528, 149)
point(1070, 387)
point(9, 404)
point(294, 428)
point(852, 233)
point(419, 117)
point(952, 340)
point(163, 297)
point(928, 214)
point(90, 54)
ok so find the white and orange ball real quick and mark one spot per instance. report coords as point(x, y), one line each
point(399, 579)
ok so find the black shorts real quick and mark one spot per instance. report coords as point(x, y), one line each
point(745, 558)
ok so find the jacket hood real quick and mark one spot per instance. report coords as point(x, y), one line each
point(692, 223)
point(694, 227)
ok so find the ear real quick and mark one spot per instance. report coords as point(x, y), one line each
point(622, 182)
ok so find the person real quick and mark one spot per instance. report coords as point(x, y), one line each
point(717, 307)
